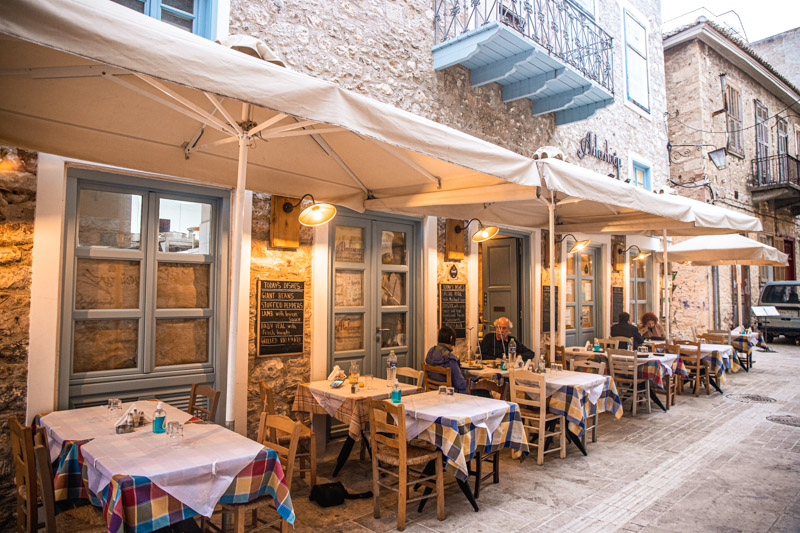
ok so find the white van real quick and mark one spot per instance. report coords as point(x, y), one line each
point(785, 296)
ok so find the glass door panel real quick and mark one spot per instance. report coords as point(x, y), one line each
point(581, 312)
point(351, 294)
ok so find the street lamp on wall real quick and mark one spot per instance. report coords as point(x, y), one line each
point(484, 233)
point(578, 246)
point(638, 257)
point(313, 215)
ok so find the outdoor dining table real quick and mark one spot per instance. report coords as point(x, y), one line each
point(320, 399)
point(145, 481)
point(462, 426)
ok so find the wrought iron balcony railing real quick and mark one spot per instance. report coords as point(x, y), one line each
point(557, 26)
point(776, 170)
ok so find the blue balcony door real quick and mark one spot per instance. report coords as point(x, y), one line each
point(582, 297)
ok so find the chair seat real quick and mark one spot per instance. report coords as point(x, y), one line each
point(84, 519)
point(414, 455)
point(527, 412)
point(258, 503)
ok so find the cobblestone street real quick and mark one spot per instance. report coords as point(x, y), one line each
point(710, 464)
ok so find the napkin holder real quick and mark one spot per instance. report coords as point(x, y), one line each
point(138, 419)
point(519, 362)
point(335, 373)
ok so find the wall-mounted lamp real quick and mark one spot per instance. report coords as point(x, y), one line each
point(637, 257)
point(718, 156)
point(484, 233)
point(577, 247)
point(687, 263)
point(313, 215)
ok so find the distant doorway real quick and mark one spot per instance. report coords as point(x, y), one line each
point(582, 295)
point(503, 284)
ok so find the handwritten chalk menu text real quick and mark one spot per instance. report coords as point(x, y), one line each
point(453, 307)
point(280, 317)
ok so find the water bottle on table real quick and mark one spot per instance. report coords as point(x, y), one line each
point(512, 353)
point(159, 419)
point(396, 394)
point(391, 368)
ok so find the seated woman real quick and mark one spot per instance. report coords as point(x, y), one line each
point(442, 355)
point(650, 329)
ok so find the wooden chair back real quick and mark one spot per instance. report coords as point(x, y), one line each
point(432, 384)
point(689, 352)
point(387, 427)
point(490, 386)
point(270, 430)
point(586, 365)
point(713, 338)
point(723, 333)
point(413, 374)
point(561, 354)
point(45, 474)
point(623, 365)
point(606, 344)
point(22, 456)
point(623, 343)
point(528, 389)
point(208, 413)
point(267, 398)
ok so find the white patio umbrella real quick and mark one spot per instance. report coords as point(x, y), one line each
point(575, 199)
point(92, 80)
point(731, 249)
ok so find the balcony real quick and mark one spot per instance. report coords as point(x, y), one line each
point(776, 179)
point(548, 51)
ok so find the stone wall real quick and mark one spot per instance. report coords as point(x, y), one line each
point(781, 52)
point(443, 267)
point(694, 93)
point(283, 373)
point(17, 204)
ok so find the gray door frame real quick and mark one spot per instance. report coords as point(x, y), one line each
point(580, 335)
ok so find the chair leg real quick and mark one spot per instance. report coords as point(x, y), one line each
point(540, 442)
point(238, 520)
point(647, 389)
point(478, 474)
point(596, 423)
point(563, 438)
point(439, 490)
point(402, 497)
point(496, 464)
point(376, 489)
point(635, 398)
point(312, 442)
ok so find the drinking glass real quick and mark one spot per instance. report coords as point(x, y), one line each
point(114, 407)
point(368, 381)
point(175, 434)
point(451, 391)
point(442, 392)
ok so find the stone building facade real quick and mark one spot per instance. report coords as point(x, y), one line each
point(705, 68)
point(780, 51)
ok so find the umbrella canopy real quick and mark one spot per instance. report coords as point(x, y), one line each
point(93, 80)
point(726, 250)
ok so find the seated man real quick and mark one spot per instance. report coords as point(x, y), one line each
point(625, 329)
point(494, 345)
point(442, 355)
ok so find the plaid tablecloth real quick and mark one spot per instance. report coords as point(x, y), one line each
point(134, 504)
point(353, 410)
point(460, 438)
point(572, 402)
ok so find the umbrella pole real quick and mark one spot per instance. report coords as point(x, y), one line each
point(237, 214)
point(551, 207)
point(739, 291)
point(666, 288)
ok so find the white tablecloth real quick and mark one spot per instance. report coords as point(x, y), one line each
point(592, 383)
point(725, 350)
point(424, 409)
point(197, 473)
point(485, 372)
point(332, 399)
point(93, 422)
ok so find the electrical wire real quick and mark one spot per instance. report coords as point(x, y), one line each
point(765, 121)
point(745, 207)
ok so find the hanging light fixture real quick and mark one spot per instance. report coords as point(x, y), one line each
point(313, 215)
point(686, 263)
point(578, 246)
point(484, 233)
point(638, 257)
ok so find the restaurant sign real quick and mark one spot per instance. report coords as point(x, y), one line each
point(588, 146)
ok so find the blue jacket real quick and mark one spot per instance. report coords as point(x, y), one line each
point(442, 355)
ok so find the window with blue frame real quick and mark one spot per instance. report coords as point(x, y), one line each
point(195, 16)
point(641, 176)
point(638, 83)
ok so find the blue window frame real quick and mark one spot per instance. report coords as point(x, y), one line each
point(641, 176)
point(195, 16)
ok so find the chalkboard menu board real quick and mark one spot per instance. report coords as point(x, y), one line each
point(453, 307)
point(617, 303)
point(280, 317)
point(546, 308)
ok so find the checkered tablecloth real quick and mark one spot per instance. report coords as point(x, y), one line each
point(461, 437)
point(572, 402)
point(653, 368)
point(134, 504)
point(352, 410)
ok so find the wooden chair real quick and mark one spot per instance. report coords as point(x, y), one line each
point(689, 353)
point(529, 390)
point(84, 519)
point(605, 344)
point(671, 389)
point(209, 396)
point(625, 371)
point(623, 343)
point(288, 436)
point(561, 355)
point(22, 456)
point(591, 367)
point(414, 375)
point(721, 336)
point(488, 386)
point(390, 448)
point(432, 384)
point(308, 439)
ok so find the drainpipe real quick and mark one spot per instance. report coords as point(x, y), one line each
point(715, 290)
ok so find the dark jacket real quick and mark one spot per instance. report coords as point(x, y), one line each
point(442, 355)
point(492, 348)
point(627, 330)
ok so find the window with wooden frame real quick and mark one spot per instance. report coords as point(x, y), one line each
point(734, 119)
point(762, 141)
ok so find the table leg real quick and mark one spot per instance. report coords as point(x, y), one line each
point(714, 384)
point(574, 439)
point(654, 397)
point(464, 485)
point(319, 424)
point(430, 468)
point(344, 453)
